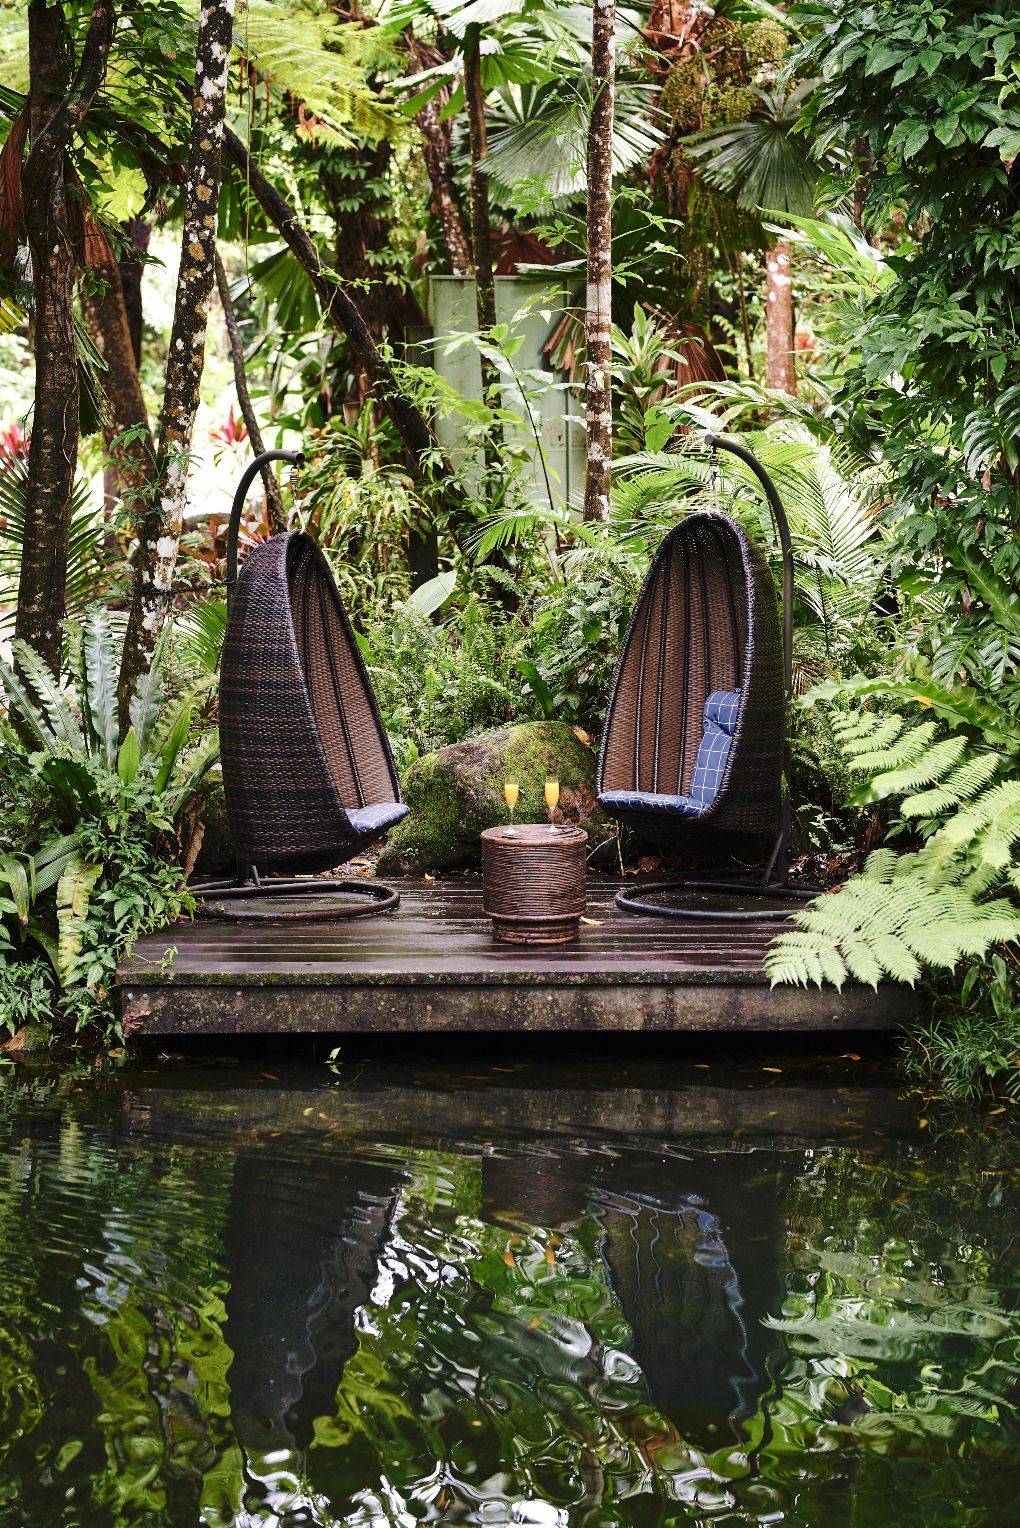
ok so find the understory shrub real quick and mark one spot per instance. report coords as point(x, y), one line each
point(437, 684)
point(98, 830)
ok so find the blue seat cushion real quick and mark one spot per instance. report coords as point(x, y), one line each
point(377, 817)
point(648, 801)
point(720, 719)
point(721, 711)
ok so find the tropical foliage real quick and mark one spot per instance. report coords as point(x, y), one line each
point(90, 813)
point(814, 241)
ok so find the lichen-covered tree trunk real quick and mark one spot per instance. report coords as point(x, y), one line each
point(780, 366)
point(57, 103)
point(274, 502)
point(160, 536)
point(598, 312)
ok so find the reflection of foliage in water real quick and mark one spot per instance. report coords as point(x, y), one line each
point(493, 1378)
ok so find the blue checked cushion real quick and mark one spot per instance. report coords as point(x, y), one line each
point(721, 711)
point(645, 801)
point(374, 818)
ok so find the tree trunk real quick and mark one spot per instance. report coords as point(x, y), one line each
point(128, 438)
point(274, 502)
point(138, 233)
point(56, 108)
point(436, 153)
point(161, 531)
point(481, 232)
point(780, 368)
point(599, 313)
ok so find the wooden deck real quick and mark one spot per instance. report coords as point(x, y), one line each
point(433, 966)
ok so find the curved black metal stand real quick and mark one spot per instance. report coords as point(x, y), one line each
point(258, 901)
point(296, 458)
point(248, 898)
point(635, 903)
point(776, 879)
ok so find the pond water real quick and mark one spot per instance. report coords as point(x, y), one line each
point(453, 1290)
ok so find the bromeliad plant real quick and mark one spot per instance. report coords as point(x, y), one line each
point(97, 825)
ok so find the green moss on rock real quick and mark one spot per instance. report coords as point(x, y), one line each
point(458, 792)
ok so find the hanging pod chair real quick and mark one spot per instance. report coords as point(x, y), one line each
point(308, 776)
point(693, 748)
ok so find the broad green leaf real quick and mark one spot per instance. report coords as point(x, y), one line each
point(74, 890)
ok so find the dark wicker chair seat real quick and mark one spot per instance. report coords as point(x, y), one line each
point(692, 749)
point(307, 771)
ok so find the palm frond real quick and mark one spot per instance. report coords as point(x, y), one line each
point(89, 563)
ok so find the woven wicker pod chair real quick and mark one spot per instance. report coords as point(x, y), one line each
point(693, 747)
point(308, 776)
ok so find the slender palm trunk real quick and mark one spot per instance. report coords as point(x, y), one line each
point(436, 153)
point(161, 531)
point(57, 105)
point(435, 135)
point(781, 370)
point(138, 233)
point(481, 230)
point(598, 314)
point(274, 502)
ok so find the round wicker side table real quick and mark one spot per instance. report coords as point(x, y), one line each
point(533, 883)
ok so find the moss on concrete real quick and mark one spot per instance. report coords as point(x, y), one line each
point(458, 792)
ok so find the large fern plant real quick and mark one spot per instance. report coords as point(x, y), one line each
point(953, 894)
point(91, 864)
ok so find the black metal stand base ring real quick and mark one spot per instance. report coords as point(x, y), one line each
point(254, 900)
point(634, 903)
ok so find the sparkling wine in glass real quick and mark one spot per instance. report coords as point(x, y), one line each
point(552, 797)
point(511, 791)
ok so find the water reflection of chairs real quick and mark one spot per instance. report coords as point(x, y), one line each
point(693, 1252)
point(696, 1264)
point(302, 1241)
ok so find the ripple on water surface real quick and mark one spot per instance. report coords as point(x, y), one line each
point(478, 1297)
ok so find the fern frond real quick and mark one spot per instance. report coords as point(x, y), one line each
point(896, 753)
point(961, 786)
point(989, 826)
point(889, 920)
point(865, 731)
point(931, 766)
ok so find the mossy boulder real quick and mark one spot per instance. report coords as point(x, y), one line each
point(456, 793)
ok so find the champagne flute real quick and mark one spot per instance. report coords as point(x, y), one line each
point(511, 791)
point(552, 797)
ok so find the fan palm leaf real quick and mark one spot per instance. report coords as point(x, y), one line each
point(539, 134)
point(763, 162)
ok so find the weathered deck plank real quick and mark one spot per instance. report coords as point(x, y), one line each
point(434, 966)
